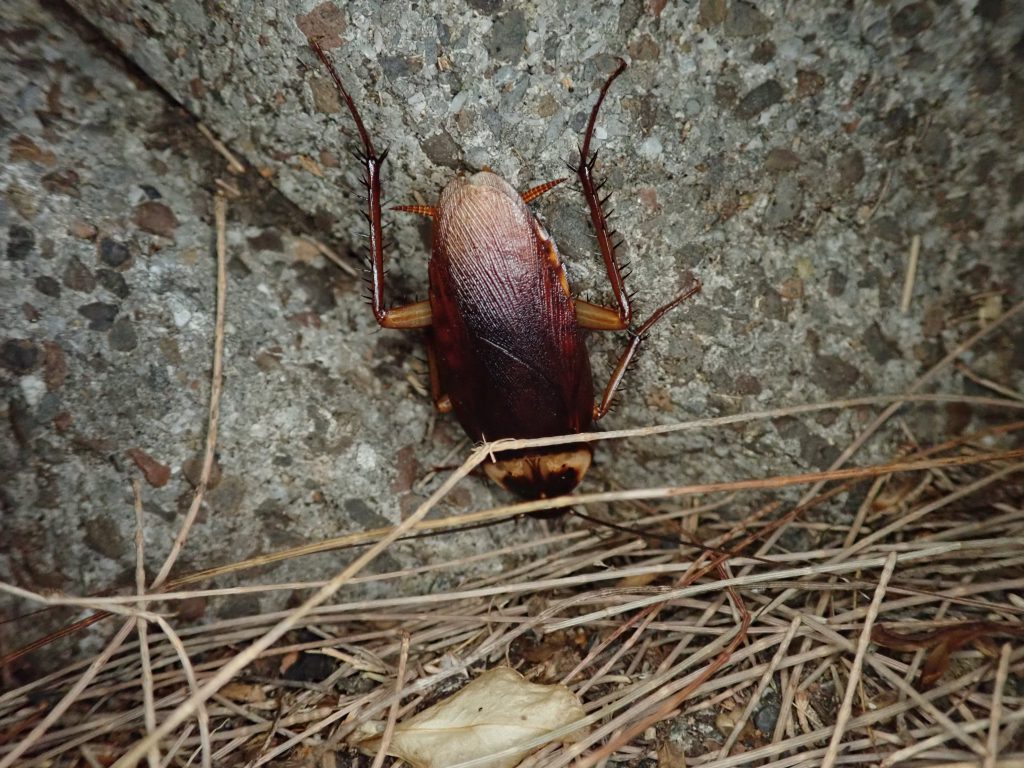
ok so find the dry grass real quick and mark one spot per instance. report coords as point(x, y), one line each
point(746, 650)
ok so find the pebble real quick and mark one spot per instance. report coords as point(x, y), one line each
point(114, 253)
point(78, 277)
point(21, 241)
point(100, 315)
point(123, 337)
point(759, 99)
point(20, 356)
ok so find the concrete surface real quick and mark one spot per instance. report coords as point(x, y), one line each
point(786, 154)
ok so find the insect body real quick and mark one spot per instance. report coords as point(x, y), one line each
point(505, 335)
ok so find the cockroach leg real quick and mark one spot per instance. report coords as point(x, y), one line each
point(407, 317)
point(414, 315)
point(420, 210)
point(534, 192)
point(594, 317)
point(442, 402)
point(585, 173)
point(636, 339)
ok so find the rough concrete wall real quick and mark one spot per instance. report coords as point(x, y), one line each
point(787, 153)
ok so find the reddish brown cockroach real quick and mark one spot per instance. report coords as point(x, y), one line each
point(505, 335)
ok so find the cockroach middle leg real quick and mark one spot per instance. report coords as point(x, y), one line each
point(442, 402)
point(637, 337)
point(416, 315)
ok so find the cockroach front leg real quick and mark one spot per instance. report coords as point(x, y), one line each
point(415, 315)
point(594, 316)
point(442, 402)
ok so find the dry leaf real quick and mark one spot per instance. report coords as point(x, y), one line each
point(251, 694)
point(498, 710)
point(671, 755)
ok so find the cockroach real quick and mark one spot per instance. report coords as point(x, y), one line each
point(504, 333)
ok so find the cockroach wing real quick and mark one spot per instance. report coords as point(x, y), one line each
point(510, 354)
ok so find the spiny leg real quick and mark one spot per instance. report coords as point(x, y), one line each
point(636, 339)
point(595, 316)
point(585, 173)
point(412, 315)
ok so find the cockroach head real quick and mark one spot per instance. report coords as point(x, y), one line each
point(541, 474)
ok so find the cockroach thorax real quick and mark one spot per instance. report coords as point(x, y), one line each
point(481, 219)
point(541, 475)
point(481, 193)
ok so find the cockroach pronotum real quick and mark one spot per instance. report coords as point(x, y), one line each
point(505, 335)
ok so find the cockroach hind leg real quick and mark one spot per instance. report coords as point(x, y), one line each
point(408, 317)
point(606, 239)
point(596, 317)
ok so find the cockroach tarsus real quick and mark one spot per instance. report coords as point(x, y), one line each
point(505, 342)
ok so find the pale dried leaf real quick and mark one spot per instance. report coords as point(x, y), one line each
point(671, 755)
point(497, 711)
point(243, 692)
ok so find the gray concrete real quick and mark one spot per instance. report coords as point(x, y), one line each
point(785, 153)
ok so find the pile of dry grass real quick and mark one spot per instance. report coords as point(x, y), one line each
point(893, 638)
